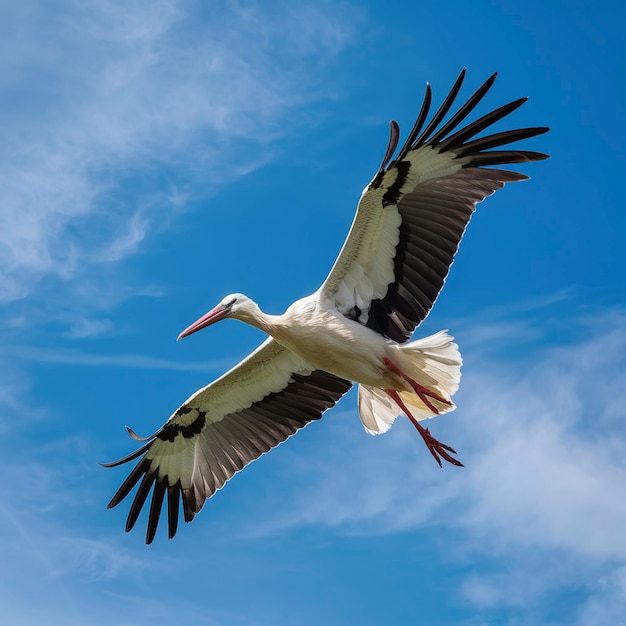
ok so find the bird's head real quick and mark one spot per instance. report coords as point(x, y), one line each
point(236, 305)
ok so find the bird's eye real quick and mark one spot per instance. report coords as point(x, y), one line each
point(231, 302)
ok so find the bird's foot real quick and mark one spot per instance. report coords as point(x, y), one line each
point(423, 393)
point(438, 449)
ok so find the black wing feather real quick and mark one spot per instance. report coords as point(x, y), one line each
point(436, 212)
point(223, 447)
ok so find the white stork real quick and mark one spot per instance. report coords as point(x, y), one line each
point(354, 329)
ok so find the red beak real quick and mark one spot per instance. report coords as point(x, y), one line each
point(214, 315)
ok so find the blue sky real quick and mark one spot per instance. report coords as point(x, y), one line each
point(158, 155)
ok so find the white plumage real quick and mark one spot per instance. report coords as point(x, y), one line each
point(355, 328)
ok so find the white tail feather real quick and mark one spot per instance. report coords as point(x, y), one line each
point(435, 363)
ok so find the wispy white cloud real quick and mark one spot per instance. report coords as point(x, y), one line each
point(92, 559)
point(46, 545)
point(498, 328)
point(83, 327)
point(53, 541)
point(127, 242)
point(606, 605)
point(104, 94)
point(44, 490)
point(543, 443)
point(131, 361)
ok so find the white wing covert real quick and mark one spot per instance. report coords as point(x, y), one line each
point(412, 216)
point(223, 427)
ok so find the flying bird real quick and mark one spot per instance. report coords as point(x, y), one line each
point(354, 329)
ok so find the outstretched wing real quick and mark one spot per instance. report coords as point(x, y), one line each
point(412, 216)
point(220, 429)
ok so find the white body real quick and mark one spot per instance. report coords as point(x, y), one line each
point(324, 339)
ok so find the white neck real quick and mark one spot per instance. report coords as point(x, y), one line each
point(251, 314)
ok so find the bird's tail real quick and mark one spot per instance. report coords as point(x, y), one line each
point(434, 363)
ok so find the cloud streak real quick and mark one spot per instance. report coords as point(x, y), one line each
point(107, 94)
point(544, 484)
point(130, 361)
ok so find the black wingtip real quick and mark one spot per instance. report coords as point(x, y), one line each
point(133, 434)
point(140, 498)
point(537, 156)
point(394, 135)
point(540, 130)
point(442, 111)
point(129, 457)
point(173, 501)
point(160, 487)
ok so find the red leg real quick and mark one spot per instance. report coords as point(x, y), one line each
point(437, 449)
point(422, 392)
